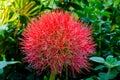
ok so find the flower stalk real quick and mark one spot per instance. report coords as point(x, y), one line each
point(52, 75)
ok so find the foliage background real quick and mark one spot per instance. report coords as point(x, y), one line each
point(103, 15)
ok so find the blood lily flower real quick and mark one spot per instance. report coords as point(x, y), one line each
point(56, 40)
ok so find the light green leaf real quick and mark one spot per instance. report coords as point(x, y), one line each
point(12, 62)
point(5, 63)
point(98, 59)
point(2, 64)
point(117, 64)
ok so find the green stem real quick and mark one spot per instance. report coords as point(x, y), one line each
point(66, 72)
point(109, 69)
point(52, 75)
point(100, 37)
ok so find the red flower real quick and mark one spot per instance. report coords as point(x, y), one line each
point(56, 40)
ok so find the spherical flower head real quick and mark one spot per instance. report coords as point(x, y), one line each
point(56, 40)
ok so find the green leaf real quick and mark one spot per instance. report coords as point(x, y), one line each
point(90, 78)
point(111, 60)
point(105, 13)
point(1, 71)
point(103, 76)
point(99, 67)
point(117, 64)
point(2, 64)
point(116, 3)
point(112, 74)
point(11, 39)
point(3, 28)
point(58, 79)
point(113, 27)
point(12, 62)
point(5, 63)
point(45, 78)
point(98, 59)
point(31, 77)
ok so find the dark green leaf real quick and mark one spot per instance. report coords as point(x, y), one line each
point(1, 71)
point(90, 78)
point(99, 67)
point(103, 76)
point(112, 74)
